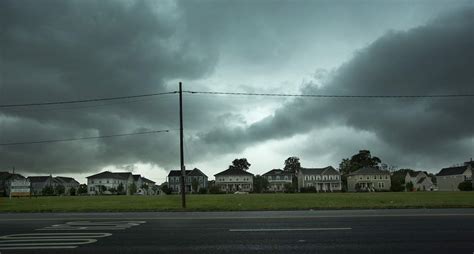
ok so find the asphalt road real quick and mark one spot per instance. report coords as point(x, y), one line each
point(349, 231)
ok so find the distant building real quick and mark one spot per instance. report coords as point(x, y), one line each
point(369, 179)
point(420, 180)
point(174, 180)
point(322, 179)
point(108, 182)
point(148, 186)
point(448, 179)
point(233, 179)
point(39, 183)
point(68, 183)
point(277, 179)
point(15, 183)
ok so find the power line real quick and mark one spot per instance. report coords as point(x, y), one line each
point(332, 95)
point(83, 101)
point(84, 138)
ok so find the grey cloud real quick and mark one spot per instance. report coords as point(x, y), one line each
point(432, 59)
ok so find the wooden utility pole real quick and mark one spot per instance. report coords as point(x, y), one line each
point(183, 169)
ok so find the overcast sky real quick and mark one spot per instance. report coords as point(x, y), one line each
point(68, 50)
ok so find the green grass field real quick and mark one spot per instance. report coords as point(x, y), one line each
point(232, 202)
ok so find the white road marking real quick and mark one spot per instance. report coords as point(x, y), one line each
point(63, 240)
point(283, 229)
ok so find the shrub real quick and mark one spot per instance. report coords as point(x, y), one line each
point(465, 186)
point(203, 191)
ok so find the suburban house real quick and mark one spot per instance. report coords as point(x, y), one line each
point(38, 183)
point(325, 179)
point(196, 175)
point(68, 183)
point(369, 179)
point(148, 187)
point(108, 182)
point(420, 180)
point(12, 182)
point(277, 179)
point(448, 179)
point(234, 179)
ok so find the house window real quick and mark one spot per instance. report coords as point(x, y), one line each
point(386, 177)
point(278, 177)
point(92, 181)
point(325, 177)
point(107, 181)
point(368, 177)
point(318, 177)
point(306, 177)
point(100, 181)
point(286, 177)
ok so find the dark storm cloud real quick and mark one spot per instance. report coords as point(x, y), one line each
point(60, 50)
point(436, 58)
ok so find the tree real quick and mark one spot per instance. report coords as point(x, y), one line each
point(465, 186)
point(292, 164)
point(72, 191)
point(260, 184)
point(241, 164)
point(165, 188)
point(409, 186)
point(156, 189)
point(195, 185)
point(59, 189)
point(102, 189)
point(288, 188)
point(398, 179)
point(133, 188)
point(82, 189)
point(120, 189)
point(48, 190)
point(358, 161)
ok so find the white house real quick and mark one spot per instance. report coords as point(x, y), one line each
point(233, 179)
point(325, 179)
point(420, 180)
point(109, 181)
point(448, 179)
point(277, 179)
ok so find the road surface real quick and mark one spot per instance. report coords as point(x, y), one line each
point(345, 231)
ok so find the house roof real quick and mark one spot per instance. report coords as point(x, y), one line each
point(66, 179)
point(196, 172)
point(8, 176)
point(370, 171)
point(38, 179)
point(452, 171)
point(233, 171)
point(421, 180)
point(113, 175)
point(146, 180)
point(136, 177)
point(277, 171)
point(319, 171)
point(177, 172)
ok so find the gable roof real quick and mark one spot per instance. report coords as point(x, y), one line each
point(66, 179)
point(277, 171)
point(38, 179)
point(113, 175)
point(370, 171)
point(319, 171)
point(233, 171)
point(196, 172)
point(136, 177)
point(177, 172)
point(452, 171)
point(7, 176)
point(146, 180)
point(421, 180)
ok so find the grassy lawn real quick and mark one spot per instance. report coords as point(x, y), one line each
point(232, 202)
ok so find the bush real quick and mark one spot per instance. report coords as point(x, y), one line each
point(465, 186)
point(308, 189)
point(72, 192)
point(203, 191)
point(48, 191)
point(215, 190)
point(289, 188)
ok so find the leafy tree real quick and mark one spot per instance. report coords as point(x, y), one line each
point(82, 189)
point(112, 190)
point(195, 185)
point(260, 184)
point(465, 186)
point(102, 189)
point(241, 164)
point(358, 161)
point(398, 179)
point(72, 191)
point(59, 189)
point(120, 189)
point(48, 190)
point(165, 188)
point(409, 186)
point(132, 188)
point(292, 164)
